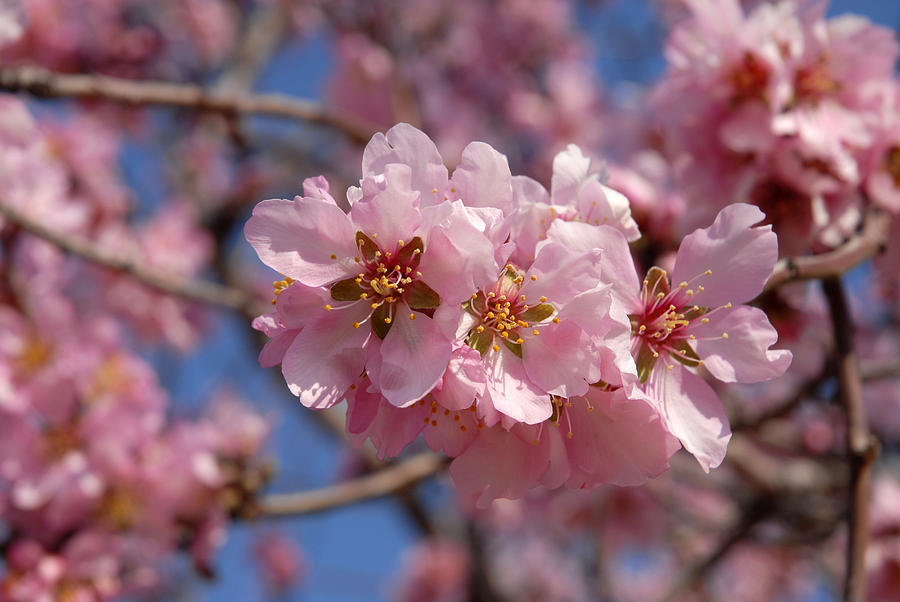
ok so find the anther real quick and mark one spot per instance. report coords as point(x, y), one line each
point(543, 299)
point(356, 325)
point(333, 256)
point(556, 320)
point(724, 335)
point(387, 320)
point(327, 308)
point(496, 348)
point(412, 316)
point(535, 332)
point(533, 278)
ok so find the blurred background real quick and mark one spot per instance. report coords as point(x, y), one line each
point(172, 187)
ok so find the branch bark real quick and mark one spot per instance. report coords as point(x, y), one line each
point(204, 292)
point(862, 447)
point(45, 83)
point(386, 481)
point(869, 241)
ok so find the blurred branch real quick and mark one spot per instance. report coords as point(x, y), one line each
point(862, 447)
point(755, 512)
point(869, 241)
point(204, 292)
point(386, 481)
point(45, 83)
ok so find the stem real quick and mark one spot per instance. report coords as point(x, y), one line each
point(861, 246)
point(42, 82)
point(862, 448)
point(384, 482)
point(205, 292)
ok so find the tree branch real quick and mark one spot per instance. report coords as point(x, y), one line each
point(861, 246)
point(45, 83)
point(204, 292)
point(756, 511)
point(862, 448)
point(384, 482)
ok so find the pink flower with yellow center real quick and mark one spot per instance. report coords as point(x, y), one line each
point(378, 290)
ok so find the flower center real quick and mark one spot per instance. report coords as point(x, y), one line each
point(386, 279)
point(504, 315)
point(663, 328)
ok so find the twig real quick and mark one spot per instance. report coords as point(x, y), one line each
point(862, 447)
point(42, 82)
point(205, 292)
point(384, 482)
point(859, 247)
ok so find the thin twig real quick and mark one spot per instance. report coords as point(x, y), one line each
point(205, 292)
point(42, 82)
point(862, 447)
point(384, 482)
point(861, 246)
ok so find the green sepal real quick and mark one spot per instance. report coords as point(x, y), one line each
point(419, 295)
point(656, 281)
point(689, 357)
point(480, 341)
point(537, 313)
point(366, 246)
point(645, 363)
point(407, 256)
point(516, 348)
point(382, 312)
point(346, 290)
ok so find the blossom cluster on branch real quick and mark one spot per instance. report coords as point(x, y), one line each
point(510, 323)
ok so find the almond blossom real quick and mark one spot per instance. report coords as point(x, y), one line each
point(386, 280)
point(702, 322)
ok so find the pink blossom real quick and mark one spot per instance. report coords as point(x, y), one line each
point(280, 562)
point(433, 571)
point(400, 263)
point(702, 322)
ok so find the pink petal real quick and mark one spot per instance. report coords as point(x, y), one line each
point(405, 144)
point(392, 428)
point(498, 464)
point(463, 380)
point(458, 258)
point(393, 213)
point(326, 357)
point(693, 413)
point(273, 351)
point(414, 356)
point(483, 178)
point(297, 238)
point(616, 262)
point(570, 169)
point(511, 391)
point(561, 273)
point(621, 441)
point(740, 257)
point(298, 304)
point(561, 360)
point(744, 356)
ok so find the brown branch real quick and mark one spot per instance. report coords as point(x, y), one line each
point(869, 241)
point(45, 83)
point(204, 292)
point(384, 482)
point(862, 447)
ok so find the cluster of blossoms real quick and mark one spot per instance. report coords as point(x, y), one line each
point(779, 107)
point(508, 322)
point(98, 486)
point(511, 72)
